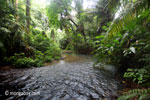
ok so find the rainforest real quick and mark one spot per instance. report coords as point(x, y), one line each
point(74, 49)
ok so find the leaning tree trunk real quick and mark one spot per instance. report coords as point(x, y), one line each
point(28, 5)
point(83, 31)
point(107, 19)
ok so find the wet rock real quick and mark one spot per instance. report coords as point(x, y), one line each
point(94, 95)
point(73, 79)
point(81, 97)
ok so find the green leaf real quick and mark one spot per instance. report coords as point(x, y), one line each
point(99, 37)
point(132, 49)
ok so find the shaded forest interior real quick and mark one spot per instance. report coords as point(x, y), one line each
point(116, 32)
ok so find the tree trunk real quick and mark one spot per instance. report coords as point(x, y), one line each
point(83, 31)
point(104, 23)
point(16, 7)
point(28, 5)
point(16, 4)
point(73, 22)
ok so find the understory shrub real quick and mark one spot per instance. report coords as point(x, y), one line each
point(127, 47)
point(78, 44)
point(19, 60)
point(136, 94)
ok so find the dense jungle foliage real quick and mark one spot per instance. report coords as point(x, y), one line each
point(20, 46)
point(115, 31)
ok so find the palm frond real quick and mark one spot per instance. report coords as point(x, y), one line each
point(130, 12)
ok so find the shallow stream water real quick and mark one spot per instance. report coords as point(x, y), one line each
point(72, 78)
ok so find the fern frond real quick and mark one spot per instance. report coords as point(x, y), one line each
point(142, 94)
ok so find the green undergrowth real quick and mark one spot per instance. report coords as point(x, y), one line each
point(38, 50)
point(126, 45)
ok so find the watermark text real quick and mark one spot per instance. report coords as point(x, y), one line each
point(21, 93)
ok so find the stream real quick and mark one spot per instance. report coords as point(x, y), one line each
point(72, 78)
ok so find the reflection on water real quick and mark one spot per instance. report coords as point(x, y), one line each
point(70, 79)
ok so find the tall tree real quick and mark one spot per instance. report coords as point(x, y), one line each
point(79, 10)
point(106, 11)
point(16, 8)
point(16, 4)
point(28, 5)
